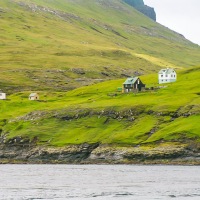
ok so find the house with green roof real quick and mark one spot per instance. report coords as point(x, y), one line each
point(167, 76)
point(133, 84)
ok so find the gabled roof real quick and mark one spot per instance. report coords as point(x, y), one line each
point(131, 80)
point(166, 71)
point(33, 94)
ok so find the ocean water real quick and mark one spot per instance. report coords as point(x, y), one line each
point(97, 182)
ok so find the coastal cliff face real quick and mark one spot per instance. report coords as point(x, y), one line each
point(28, 152)
point(140, 6)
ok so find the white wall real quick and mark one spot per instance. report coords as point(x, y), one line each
point(167, 78)
point(2, 95)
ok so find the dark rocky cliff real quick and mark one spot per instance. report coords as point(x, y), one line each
point(26, 151)
point(140, 6)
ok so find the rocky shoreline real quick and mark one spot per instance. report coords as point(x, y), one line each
point(21, 149)
point(178, 154)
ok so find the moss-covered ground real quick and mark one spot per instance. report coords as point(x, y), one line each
point(99, 113)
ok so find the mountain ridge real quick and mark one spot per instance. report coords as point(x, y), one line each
point(140, 6)
point(61, 45)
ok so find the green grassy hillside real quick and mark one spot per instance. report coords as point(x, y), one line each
point(62, 44)
point(99, 113)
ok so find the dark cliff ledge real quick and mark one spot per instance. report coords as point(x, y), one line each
point(30, 153)
point(140, 6)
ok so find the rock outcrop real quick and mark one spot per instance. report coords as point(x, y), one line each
point(22, 150)
point(140, 6)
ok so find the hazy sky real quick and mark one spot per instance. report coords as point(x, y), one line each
point(182, 16)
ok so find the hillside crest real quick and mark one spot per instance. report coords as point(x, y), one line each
point(63, 44)
point(140, 6)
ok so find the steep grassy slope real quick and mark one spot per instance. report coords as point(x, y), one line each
point(99, 113)
point(63, 44)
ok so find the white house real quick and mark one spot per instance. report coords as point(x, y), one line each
point(2, 95)
point(33, 96)
point(167, 76)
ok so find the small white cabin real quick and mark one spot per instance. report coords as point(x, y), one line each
point(167, 76)
point(2, 96)
point(33, 97)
